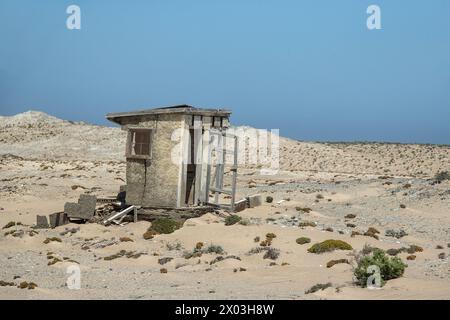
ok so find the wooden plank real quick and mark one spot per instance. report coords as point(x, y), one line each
point(198, 156)
point(204, 192)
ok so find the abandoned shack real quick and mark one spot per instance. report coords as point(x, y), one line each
point(169, 154)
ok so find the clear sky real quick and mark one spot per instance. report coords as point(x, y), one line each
point(310, 68)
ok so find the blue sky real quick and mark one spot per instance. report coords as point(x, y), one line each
point(310, 68)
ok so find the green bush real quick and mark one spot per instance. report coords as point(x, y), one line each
point(390, 267)
point(329, 245)
point(165, 225)
point(233, 219)
point(303, 240)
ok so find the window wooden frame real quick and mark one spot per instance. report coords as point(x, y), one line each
point(139, 143)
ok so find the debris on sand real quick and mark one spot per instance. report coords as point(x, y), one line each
point(98, 244)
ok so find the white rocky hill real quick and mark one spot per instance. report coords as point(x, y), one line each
point(36, 135)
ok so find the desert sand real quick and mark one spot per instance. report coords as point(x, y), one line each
point(45, 162)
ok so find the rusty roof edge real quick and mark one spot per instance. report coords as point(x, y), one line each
point(186, 109)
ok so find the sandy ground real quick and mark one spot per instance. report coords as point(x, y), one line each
point(45, 162)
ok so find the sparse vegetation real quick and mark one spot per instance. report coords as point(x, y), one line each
point(441, 176)
point(9, 225)
point(350, 216)
point(165, 225)
point(52, 239)
point(6, 284)
point(233, 219)
point(27, 285)
point(329, 245)
point(334, 262)
point(395, 233)
point(271, 253)
point(303, 240)
point(305, 210)
point(149, 234)
point(372, 232)
point(390, 267)
point(125, 239)
point(317, 287)
point(304, 224)
point(269, 199)
point(198, 252)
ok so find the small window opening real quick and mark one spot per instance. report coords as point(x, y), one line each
point(139, 143)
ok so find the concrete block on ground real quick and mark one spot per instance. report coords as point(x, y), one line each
point(41, 222)
point(58, 219)
point(254, 200)
point(87, 205)
point(73, 210)
point(240, 205)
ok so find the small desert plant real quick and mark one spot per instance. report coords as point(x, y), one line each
point(271, 235)
point(149, 234)
point(441, 176)
point(174, 246)
point(271, 253)
point(329, 245)
point(269, 199)
point(233, 219)
point(390, 268)
point(9, 225)
point(305, 210)
point(350, 216)
point(199, 245)
point(333, 262)
point(317, 287)
point(125, 239)
point(303, 240)
point(372, 232)
point(165, 225)
point(395, 233)
point(214, 249)
point(414, 248)
point(48, 240)
point(403, 206)
point(303, 224)
point(319, 196)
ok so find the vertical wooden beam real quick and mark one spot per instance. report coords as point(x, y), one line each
point(204, 184)
point(184, 153)
point(198, 156)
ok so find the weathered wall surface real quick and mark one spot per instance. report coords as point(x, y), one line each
point(154, 182)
